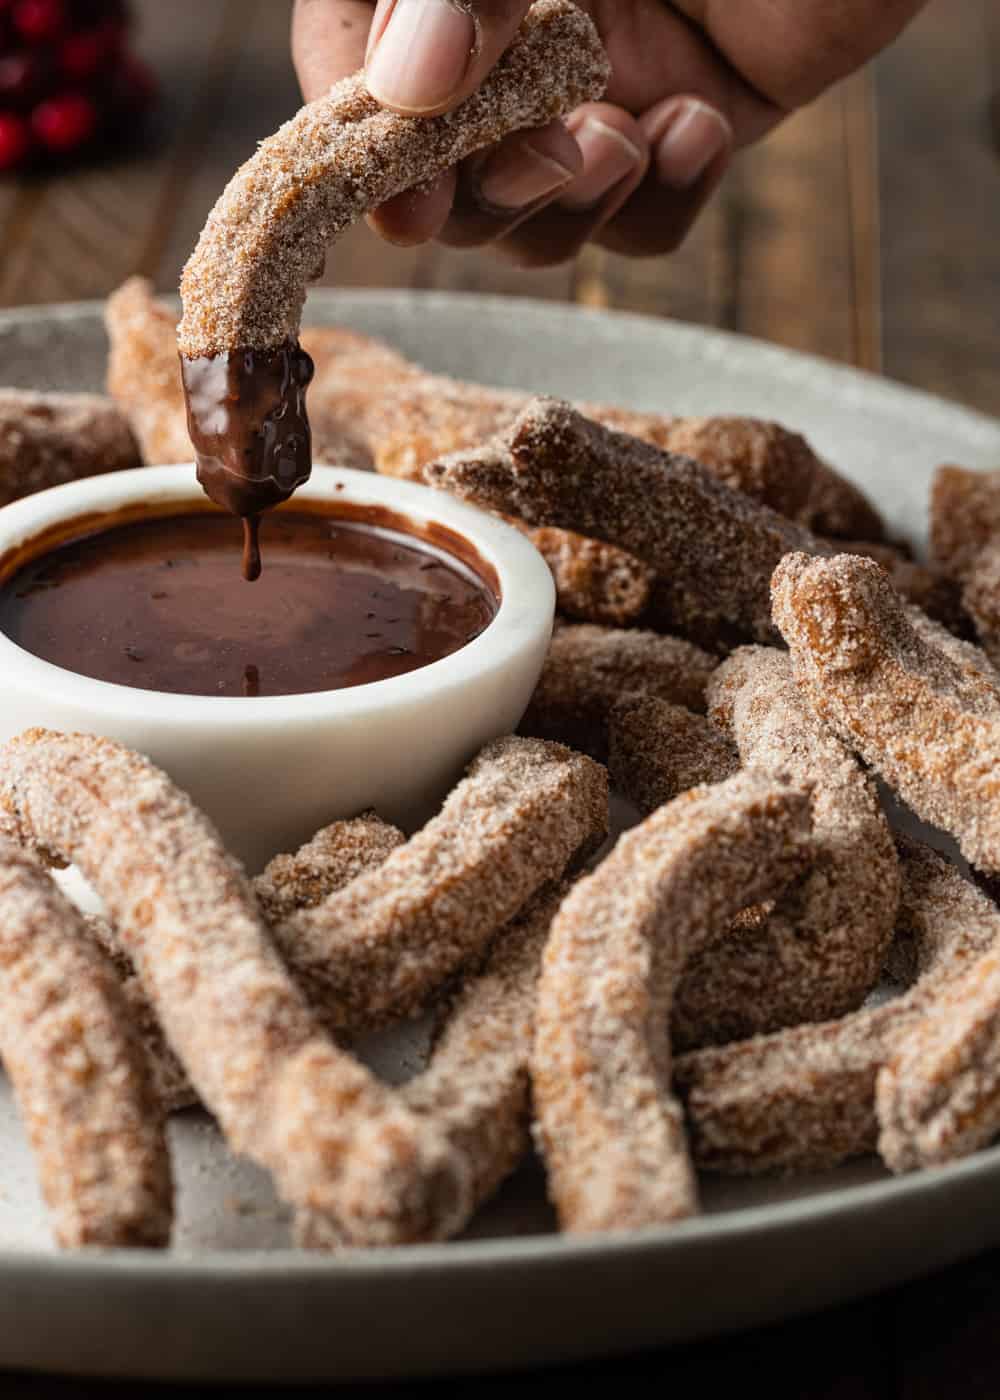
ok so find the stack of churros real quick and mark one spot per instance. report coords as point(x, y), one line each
point(739, 644)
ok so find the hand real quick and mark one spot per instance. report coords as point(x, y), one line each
point(692, 82)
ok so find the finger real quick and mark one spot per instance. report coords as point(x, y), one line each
point(616, 158)
point(328, 42)
point(426, 56)
point(691, 145)
point(500, 188)
point(416, 216)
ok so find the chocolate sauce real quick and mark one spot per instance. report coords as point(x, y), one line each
point(247, 419)
point(156, 604)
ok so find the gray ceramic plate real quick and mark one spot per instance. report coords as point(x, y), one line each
point(231, 1301)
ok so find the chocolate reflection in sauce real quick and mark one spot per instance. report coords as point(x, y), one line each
point(247, 420)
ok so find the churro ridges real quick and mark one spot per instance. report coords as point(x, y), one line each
point(379, 948)
point(588, 669)
point(896, 688)
point(555, 467)
point(78, 1071)
point(343, 155)
point(611, 1133)
point(335, 856)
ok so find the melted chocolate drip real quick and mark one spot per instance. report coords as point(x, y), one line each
point(247, 419)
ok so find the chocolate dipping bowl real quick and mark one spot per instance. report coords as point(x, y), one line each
point(271, 770)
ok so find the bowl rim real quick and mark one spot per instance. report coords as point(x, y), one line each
point(527, 598)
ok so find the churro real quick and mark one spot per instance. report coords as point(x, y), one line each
point(475, 1087)
point(378, 949)
point(78, 1071)
point(595, 582)
point(283, 1093)
point(589, 668)
point(657, 750)
point(555, 467)
point(49, 439)
point(821, 949)
point(804, 1099)
point(343, 155)
point(927, 586)
point(895, 687)
point(965, 541)
point(610, 1130)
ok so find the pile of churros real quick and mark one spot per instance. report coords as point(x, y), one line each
point(741, 650)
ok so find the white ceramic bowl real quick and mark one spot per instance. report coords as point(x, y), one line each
point(270, 771)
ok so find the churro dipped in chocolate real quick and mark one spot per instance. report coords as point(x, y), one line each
point(609, 1128)
point(475, 1087)
point(379, 949)
point(804, 1099)
point(244, 286)
point(713, 548)
point(78, 1072)
point(588, 669)
point(909, 698)
point(48, 439)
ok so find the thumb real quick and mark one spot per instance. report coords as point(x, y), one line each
point(427, 56)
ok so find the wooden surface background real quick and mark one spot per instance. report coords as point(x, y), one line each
point(866, 230)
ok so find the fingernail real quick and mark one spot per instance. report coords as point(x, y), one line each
point(608, 157)
point(517, 175)
point(422, 56)
point(692, 136)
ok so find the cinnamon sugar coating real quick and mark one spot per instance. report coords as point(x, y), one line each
point(334, 857)
point(334, 1138)
point(925, 585)
point(475, 1087)
point(610, 1130)
point(555, 467)
point(965, 540)
point(378, 949)
point(588, 669)
point(595, 582)
point(805, 1099)
point(77, 1070)
point(911, 700)
point(838, 508)
point(343, 155)
point(48, 439)
point(981, 598)
point(144, 377)
point(821, 949)
point(657, 750)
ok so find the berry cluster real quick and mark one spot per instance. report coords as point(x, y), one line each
point(67, 78)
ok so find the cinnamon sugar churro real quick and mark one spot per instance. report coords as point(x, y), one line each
point(658, 750)
point(610, 1131)
point(475, 1087)
point(804, 1099)
point(555, 467)
point(821, 949)
point(965, 541)
point(282, 1092)
point(909, 698)
point(379, 948)
point(589, 668)
point(344, 155)
point(48, 439)
point(595, 582)
point(78, 1071)
point(332, 859)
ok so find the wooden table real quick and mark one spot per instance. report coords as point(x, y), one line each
point(866, 230)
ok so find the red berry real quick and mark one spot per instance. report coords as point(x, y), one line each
point(15, 140)
point(22, 77)
point(83, 55)
point(40, 21)
point(65, 123)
